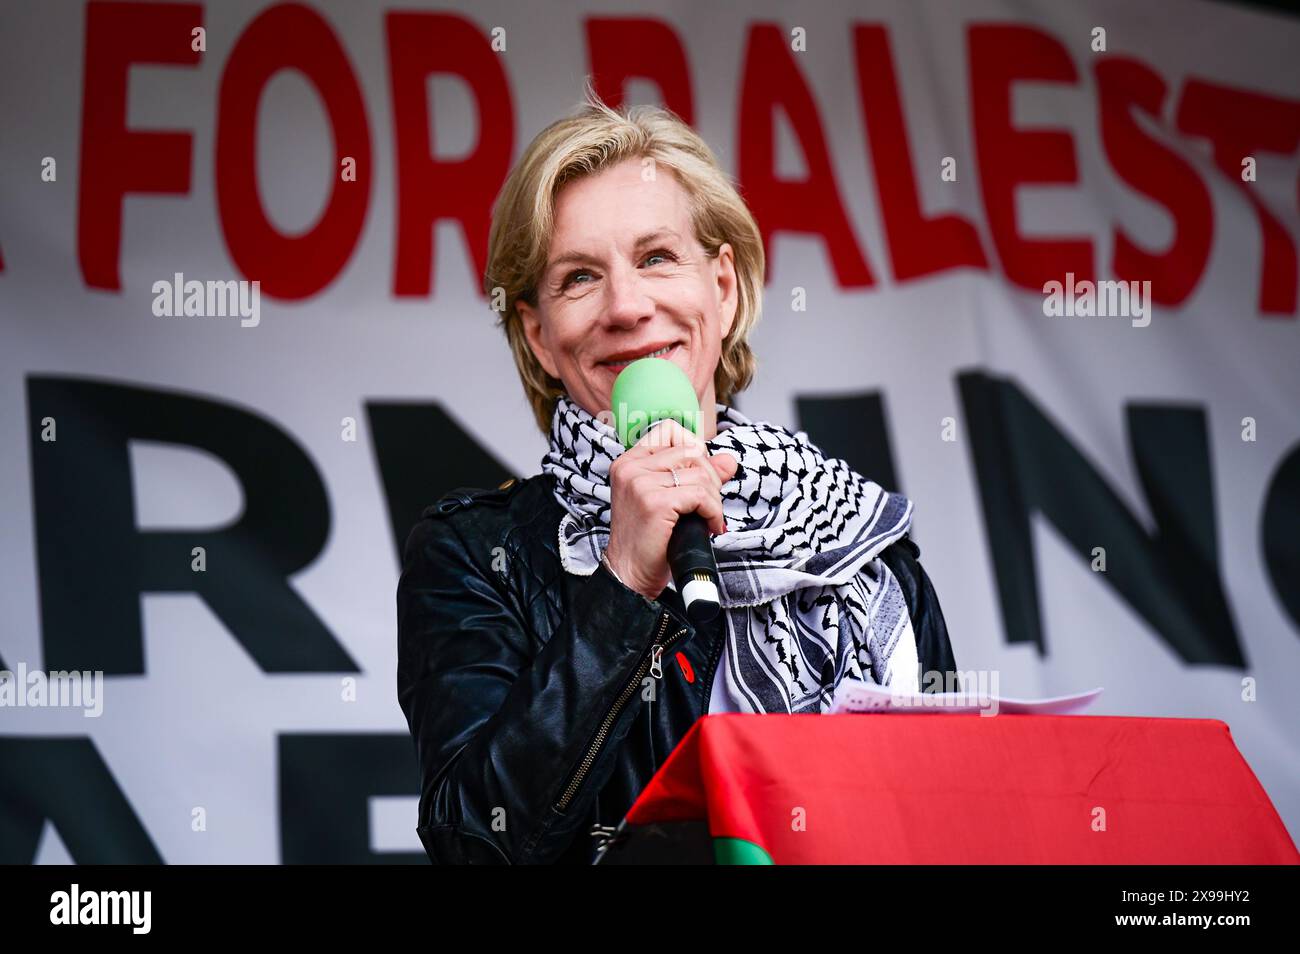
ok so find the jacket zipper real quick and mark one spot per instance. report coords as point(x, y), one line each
point(651, 663)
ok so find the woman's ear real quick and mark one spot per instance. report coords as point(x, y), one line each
point(533, 332)
point(728, 287)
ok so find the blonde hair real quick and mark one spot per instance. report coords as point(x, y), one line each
point(583, 144)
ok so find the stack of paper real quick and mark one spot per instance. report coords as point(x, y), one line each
point(853, 695)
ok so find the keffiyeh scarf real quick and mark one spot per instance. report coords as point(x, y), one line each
point(807, 601)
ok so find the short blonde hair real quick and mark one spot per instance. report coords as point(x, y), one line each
point(581, 145)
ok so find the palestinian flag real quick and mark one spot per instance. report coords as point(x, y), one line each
point(948, 788)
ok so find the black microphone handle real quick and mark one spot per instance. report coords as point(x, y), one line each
point(694, 569)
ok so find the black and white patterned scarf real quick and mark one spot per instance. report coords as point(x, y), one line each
point(808, 603)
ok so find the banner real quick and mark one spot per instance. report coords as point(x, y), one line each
point(1032, 264)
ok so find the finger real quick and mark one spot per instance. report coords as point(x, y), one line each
point(661, 436)
point(725, 463)
point(709, 506)
point(690, 467)
point(704, 476)
point(667, 434)
point(653, 484)
point(688, 456)
point(694, 499)
point(657, 479)
point(650, 455)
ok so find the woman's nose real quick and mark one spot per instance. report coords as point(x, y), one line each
point(627, 299)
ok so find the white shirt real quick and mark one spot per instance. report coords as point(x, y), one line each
point(719, 701)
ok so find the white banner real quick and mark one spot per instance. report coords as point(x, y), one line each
point(207, 509)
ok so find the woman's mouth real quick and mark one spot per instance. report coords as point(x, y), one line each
point(617, 366)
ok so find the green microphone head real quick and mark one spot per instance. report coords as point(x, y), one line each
point(650, 390)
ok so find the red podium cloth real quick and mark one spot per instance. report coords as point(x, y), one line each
point(939, 788)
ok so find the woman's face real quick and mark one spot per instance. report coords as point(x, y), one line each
point(625, 277)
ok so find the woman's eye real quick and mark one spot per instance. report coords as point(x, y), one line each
point(572, 277)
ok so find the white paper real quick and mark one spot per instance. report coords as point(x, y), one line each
point(854, 695)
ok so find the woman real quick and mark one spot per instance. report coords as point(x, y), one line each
point(546, 666)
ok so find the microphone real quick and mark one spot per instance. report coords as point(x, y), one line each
point(647, 391)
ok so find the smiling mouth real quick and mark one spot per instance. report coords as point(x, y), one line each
point(620, 365)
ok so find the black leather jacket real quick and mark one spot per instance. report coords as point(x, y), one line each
point(527, 689)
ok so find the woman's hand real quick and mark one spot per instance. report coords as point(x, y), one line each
point(645, 505)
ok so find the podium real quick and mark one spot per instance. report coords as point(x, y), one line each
point(946, 788)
